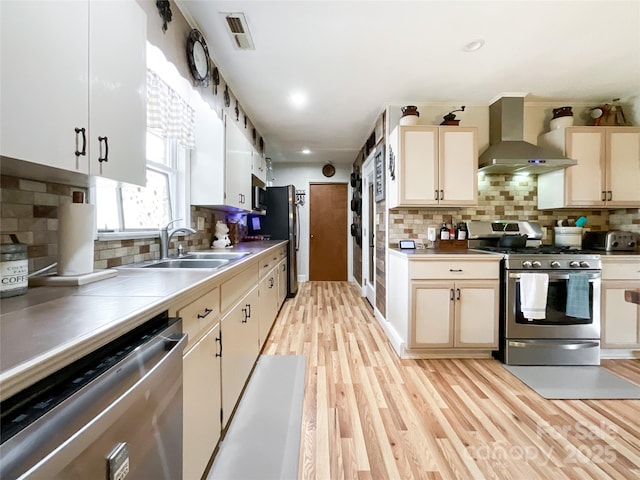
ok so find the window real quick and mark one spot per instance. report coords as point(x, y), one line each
point(125, 211)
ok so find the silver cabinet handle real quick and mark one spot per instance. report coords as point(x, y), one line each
point(610, 196)
point(458, 294)
point(603, 197)
point(441, 194)
point(455, 270)
point(451, 295)
point(435, 196)
point(207, 311)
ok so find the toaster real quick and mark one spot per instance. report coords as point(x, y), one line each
point(610, 241)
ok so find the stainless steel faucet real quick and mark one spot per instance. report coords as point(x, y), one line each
point(166, 234)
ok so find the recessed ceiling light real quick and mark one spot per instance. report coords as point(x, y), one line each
point(474, 45)
point(298, 99)
point(306, 151)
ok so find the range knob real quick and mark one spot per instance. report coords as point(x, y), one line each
point(584, 265)
point(574, 264)
point(631, 244)
point(615, 243)
point(526, 264)
point(555, 264)
point(536, 264)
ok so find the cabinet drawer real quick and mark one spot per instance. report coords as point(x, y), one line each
point(628, 270)
point(237, 286)
point(270, 260)
point(200, 314)
point(453, 269)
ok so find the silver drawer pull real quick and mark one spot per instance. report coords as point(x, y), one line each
point(207, 311)
point(455, 270)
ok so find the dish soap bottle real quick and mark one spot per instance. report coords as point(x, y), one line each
point(444, 232)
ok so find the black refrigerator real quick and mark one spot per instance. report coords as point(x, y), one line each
point(281, 223)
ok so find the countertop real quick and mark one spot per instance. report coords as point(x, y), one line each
point(50, 327)
point(443, 254)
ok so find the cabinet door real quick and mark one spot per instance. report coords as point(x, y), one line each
point(585, 181)
point(201, 403)
point(477, 306)
point(44, 60)
point(268, 303)
point(237, 167)
point(432, 315)
point(239, 349)
point(620, 319)
point(117, 90)
point(458, 179)
point(258, 165)
point(623, 166)
point(207, 163)
point(417, 165)
point(282, 282)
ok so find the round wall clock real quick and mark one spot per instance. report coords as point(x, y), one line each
point(198, 56)
point(328, 170)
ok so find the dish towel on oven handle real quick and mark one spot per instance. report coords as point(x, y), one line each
point(533, 295)
point(578, 296)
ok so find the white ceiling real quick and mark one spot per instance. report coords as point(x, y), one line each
point(352, 58)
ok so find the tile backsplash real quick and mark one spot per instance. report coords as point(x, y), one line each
point(505, 197)
point(30, 210)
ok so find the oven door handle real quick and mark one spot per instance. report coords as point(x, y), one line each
point(561, 276)
point(579, 345)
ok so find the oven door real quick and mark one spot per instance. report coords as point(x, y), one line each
point(557, 324)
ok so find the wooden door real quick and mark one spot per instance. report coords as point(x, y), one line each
point(476, 323)
point(458, 166)
point(623, 166)
point(328, 231)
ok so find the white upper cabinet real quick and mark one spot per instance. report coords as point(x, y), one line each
point(74, 72)
point(607, 173)
point(237, 167)
point(221, 166)
point(432, 165)
point(44, 57)
point(117, 88)
point(259, 166)
point(207, 163)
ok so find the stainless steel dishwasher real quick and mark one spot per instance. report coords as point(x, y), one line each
point(114, 414)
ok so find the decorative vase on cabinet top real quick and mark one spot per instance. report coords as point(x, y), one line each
point(410, 115)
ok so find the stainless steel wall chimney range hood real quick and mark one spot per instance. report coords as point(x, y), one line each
point(508, 152)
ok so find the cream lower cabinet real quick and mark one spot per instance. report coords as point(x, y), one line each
point(443, 304)
point(201, 396)
point(620, 319)
point(240, 329)
point(201, 403)
point(454, 314)
point(268, 304)
point(282, 282)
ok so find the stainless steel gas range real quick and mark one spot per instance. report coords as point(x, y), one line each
point(564, 329)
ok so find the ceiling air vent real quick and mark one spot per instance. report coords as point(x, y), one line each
point(239, 30)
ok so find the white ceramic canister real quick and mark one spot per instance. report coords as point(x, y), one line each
point(14, 266)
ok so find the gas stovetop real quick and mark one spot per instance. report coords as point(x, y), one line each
point(546, 258)
point(542, 250)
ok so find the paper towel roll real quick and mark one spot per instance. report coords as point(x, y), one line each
point(75, 239)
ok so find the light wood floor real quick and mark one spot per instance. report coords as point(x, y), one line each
point(369, 415)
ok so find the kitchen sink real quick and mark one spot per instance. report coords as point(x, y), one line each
point(188, 263)
point(215, 255)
